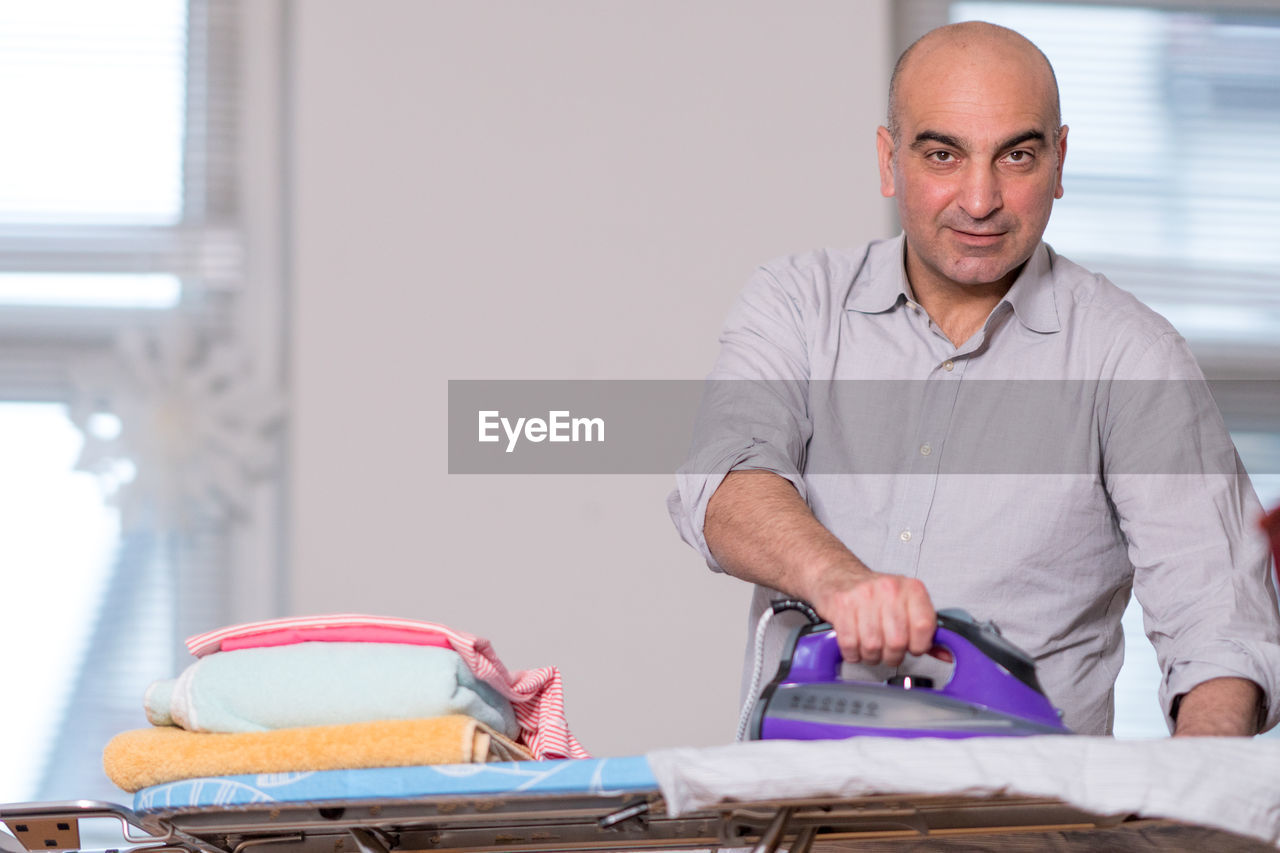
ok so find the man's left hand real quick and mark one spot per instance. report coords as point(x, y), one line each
point(1220, 706)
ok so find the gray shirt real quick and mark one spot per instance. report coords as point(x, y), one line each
point(1066, 454)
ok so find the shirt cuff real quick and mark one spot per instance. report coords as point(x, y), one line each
point(1230, 661)
point(687, 504)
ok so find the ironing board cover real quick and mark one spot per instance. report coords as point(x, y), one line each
point(595, 776)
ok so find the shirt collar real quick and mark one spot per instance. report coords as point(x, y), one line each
point(1032, 295)
point(885, 287)
point(885, 284)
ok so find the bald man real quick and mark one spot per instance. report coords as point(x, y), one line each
point(854, 495)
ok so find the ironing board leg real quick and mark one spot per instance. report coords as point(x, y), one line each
point(803, 841)
point(367, 841)
point(773, 832)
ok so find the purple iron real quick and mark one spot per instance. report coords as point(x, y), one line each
point(992, 691)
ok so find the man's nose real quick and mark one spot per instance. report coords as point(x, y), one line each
point(980, 193)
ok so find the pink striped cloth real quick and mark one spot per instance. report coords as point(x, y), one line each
point(536, 695)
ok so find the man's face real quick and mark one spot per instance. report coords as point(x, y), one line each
point(976, 167)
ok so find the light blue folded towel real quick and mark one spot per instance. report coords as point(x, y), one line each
point(319, 684)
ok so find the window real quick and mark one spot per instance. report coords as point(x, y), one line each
point(1167, 196)
point(42, 497)
point(137, 430)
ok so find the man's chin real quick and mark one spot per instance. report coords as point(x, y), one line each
point(984, 274)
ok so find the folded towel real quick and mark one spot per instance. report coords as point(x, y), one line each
point(143, 757)
point(536, 694)
point(353, 634)
point(322, 684)
point(335, 628)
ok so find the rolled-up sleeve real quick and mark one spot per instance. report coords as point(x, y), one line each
point(1190, 517)
point(754, 413)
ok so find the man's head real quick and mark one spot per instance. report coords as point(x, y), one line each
point(973, 153)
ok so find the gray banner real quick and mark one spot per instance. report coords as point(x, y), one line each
point(848, 427)
point(570, 426)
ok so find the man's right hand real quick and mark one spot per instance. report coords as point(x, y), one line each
point(878, 618)
point(759, 529)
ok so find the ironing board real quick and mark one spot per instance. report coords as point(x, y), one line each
point(632, 803)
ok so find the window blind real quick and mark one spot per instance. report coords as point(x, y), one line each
point(119, 159)
point(119, 217)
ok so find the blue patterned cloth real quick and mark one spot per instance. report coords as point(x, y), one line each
point(594, 776)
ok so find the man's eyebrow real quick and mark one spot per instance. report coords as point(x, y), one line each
point(948, 140)
point(1025, 136)
point(934, 136)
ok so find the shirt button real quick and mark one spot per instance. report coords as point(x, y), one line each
point(948, 366)
point(905, 536)
point(925, 450)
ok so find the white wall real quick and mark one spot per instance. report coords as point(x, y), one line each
point(553, 190)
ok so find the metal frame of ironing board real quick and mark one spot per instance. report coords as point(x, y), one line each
point(622, 821)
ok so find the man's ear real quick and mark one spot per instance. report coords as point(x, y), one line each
point(1062, 159)
point(884, 154)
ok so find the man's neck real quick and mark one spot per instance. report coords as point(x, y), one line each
point(959, 310)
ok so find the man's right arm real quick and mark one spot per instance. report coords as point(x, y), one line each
point(759, 529)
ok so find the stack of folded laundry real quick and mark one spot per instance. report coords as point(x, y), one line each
point(340, 692)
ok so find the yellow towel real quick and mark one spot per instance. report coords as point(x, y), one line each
point(136, 759)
